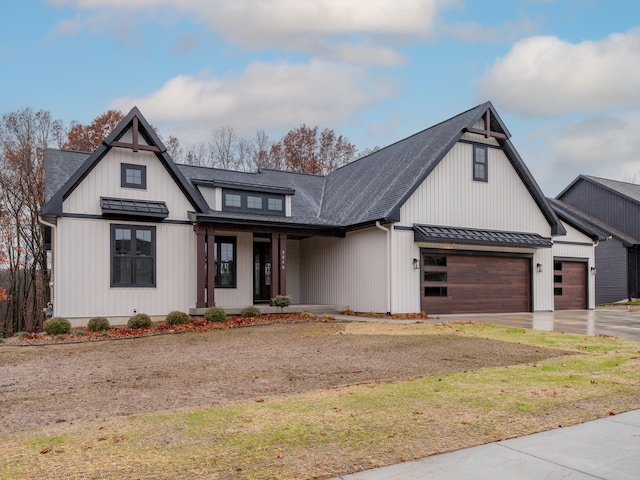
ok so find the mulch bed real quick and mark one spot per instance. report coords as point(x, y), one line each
point(82, 335)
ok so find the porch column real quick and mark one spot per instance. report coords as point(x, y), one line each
point(200, 267)
point(275, 263)
point(283, 264)
point(211, 267)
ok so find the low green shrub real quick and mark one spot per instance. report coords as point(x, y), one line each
point(57, 326)
point(307, 315)
point(250, 311)
point(215, 314)
point(282, 301)
point(98, 324)
point(140, 320)
point(176, 318)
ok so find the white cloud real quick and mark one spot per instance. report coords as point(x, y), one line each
point(602, 145)
point(543, 76)
point(358, 30)
point(274, 97)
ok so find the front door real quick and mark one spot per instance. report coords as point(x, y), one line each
point(261, 271)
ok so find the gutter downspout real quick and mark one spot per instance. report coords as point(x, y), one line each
point(388, 232)
point(53, 227)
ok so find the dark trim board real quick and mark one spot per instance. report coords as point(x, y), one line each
point(581, 244)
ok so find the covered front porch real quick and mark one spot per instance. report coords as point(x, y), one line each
point(242, 265)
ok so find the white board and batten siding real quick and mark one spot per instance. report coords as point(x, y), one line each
point(104, 181)
point(577, 245)
point(345, 271)
point(84, 250)
point(450, 197)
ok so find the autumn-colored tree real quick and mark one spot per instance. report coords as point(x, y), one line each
point(86, 138)
point(311, 150)
point(24, 135)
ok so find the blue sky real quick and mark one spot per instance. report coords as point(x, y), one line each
point(564, 75)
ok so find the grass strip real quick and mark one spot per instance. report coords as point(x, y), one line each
point(331, 432)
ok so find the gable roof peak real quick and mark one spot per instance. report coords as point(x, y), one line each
point(135, 121)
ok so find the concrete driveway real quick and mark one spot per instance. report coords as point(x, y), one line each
point(603, 321)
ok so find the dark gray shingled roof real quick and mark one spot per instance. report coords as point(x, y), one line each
point(305, 202)
point(370, 189)
point(630, 190)
point(593, 227)
point(375, 187)
point(58, 168)
point(475, 236)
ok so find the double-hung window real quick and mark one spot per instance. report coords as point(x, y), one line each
point(133, 256)
point(480, 163)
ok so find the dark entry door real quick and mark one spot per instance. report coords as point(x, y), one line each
point(261, 272)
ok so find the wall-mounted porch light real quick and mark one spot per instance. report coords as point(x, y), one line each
point(539, 267)
point(416, 264)
point(593, 270)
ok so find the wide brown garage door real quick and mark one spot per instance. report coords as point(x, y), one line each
point(569, 285)
point(460, 283)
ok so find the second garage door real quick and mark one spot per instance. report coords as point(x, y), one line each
point(461, 283)
point(569, 284)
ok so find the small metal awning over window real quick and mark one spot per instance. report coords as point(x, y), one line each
point(473, 236)
point(124, 207)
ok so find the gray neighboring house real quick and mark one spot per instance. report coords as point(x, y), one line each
point(612, 209)
point(448, 220)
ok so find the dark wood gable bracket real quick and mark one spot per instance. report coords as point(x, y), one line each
point(486, 131)
point(135, 146)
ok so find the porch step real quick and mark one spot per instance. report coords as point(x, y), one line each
point(315, 309)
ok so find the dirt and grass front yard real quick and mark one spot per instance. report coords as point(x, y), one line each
point(296, 401)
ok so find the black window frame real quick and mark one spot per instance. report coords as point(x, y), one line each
point(483, 162)
point(133, 255)
point(244, 202)
point(132, 166)
point(219, 240)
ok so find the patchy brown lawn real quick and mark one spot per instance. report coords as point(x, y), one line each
point(42, 385)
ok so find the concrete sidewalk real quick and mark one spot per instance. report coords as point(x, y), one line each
point(605, 449)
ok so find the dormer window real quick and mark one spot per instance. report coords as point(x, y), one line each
point(264, 203)
point(133, 176)
point(480, 164)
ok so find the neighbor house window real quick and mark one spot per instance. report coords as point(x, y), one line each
point(480, 163)
point(225, 258)
point(133, 176)
point(133, 256)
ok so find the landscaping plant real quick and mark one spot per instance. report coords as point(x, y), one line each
point(215, 314)
point(176, 318)
point(57, 326)
point(98, 324)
